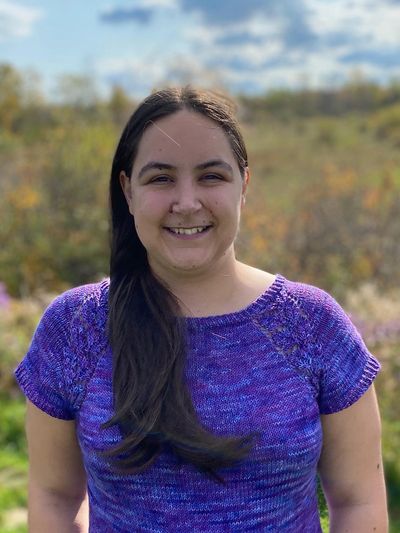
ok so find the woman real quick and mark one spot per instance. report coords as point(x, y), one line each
point(192, 392)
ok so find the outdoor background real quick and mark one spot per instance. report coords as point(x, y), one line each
point(318, 92)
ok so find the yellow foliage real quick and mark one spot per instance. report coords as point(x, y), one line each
point(259, 243)
point(305, 217)
point(78, 238)
point(33, 270)
point(339, 182)
point(362, 267)
point(24, 197)
point(280, 228)
point(371, 198)
point(252, 220)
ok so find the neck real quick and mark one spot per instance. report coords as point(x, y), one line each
point(230, 287)
point(201, 293)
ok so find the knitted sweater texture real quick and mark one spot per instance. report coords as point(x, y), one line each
point(273, 367)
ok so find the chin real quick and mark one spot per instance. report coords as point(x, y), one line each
point(189, 267)
point(189, 264)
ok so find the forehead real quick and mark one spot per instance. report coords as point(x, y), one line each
point(184, 135)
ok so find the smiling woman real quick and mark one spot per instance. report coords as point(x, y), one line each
point(186, 208)
point(194, 392)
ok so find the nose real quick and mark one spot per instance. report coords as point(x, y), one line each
point(186, 199)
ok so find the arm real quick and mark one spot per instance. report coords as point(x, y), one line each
point(57, 479)
point(351, 469)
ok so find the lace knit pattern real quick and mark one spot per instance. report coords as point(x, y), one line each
point(273, 367)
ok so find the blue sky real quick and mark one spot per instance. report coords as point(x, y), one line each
point(244, 45)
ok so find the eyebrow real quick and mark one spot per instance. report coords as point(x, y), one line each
point(202, 166)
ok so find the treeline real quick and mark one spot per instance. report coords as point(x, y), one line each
point(22, 103)
point(357, 95)
point(25, 111)
point(323, 203)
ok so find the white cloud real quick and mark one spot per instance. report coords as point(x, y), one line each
point(138, 76)
point(206, 41)
point(376, 24)
point(260, 26)
point(182, 70)
point(340, 26)
point(169, 4)
point(16, 20)
point(200, 35)
point(143, 4)
point(257, 53)
point(140, 67)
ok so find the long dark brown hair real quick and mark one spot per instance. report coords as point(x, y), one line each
point(152, 404)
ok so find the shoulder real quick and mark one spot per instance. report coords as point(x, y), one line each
point(78, 318)
point(300, 315)
point(309, 295)
point(293, 315)
point(315, 305)
point(80, 305)
point(80, 301)
point(315, 310)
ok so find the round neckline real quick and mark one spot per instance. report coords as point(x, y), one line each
point(258, 305)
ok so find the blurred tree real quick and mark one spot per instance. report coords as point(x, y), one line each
point(346, 231)
point(120, 106)
point(77, 91)
point(74, 183)
point(11, 84)
point(385, 123)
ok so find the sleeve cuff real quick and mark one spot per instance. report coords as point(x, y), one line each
point(42, 401)
point(336, 404)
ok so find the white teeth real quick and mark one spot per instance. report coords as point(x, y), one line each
point(188, 231)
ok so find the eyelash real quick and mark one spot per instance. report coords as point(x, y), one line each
point(159, 179)
point(214, 176)
point(164, 178)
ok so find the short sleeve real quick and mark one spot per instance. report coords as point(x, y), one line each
point(41, 374)
point(347, 368)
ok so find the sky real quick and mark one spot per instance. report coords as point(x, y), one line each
point(246, 46)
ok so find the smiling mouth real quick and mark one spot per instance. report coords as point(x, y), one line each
point(188, 231)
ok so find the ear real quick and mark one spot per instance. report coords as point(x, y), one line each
point(125, 183)
point(245, 183)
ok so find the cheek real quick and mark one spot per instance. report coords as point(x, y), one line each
point(149, 206)
point(221, 205)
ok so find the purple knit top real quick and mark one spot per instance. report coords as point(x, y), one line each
point(273, 367)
